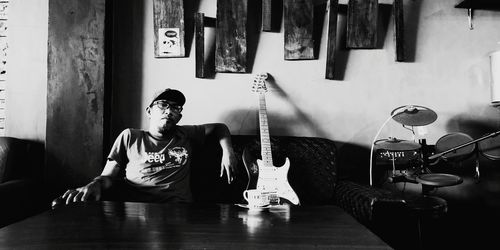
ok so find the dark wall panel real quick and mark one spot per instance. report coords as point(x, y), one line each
point(75, 91)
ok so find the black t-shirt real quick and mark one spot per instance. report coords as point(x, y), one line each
point(160, 168)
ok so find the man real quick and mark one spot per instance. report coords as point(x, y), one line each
point(156, 162)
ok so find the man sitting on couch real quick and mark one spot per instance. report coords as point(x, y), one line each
point(156, 162)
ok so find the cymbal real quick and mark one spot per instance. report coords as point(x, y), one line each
point(413, 115)
point(393, 144)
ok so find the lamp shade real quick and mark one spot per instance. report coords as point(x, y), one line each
point(495, 77)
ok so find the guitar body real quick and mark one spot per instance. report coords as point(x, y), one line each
point(270, 179)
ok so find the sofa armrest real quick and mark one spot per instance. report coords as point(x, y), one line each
point(11, 189)
point(361, 201)
point(21, 198)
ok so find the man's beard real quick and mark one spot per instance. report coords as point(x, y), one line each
point(164, 128)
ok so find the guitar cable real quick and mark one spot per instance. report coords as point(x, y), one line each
point(373, 144)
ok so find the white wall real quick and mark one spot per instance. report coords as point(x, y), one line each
point(27, 69)
point(450, 74)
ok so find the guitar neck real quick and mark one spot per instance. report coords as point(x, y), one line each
point(265, 140)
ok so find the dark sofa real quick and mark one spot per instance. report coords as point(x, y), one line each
point(22, 192)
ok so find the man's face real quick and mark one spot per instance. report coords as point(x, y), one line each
point(164, 115)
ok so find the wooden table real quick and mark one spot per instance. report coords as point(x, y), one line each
point(118, 225)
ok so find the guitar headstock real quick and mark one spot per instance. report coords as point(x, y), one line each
point(259, 83)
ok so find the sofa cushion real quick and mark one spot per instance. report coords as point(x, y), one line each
point(17, 159)
point(22, 192)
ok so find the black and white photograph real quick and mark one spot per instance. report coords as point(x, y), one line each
point(249, 124)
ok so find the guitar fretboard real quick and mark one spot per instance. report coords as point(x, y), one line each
point(265, 141)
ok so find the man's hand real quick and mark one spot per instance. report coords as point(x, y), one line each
point(228, 164)
point(91, 190)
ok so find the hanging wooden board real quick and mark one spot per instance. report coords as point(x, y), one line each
point(299, 41)
point(168, 28)
point(399, 29)
point(362, 18)
point(199, 26)
point(267, 11)
point(332, 39)
point(231, 36)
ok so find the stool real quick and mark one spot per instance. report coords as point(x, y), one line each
point(428, 206)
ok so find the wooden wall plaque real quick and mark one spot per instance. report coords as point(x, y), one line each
point(399, 29)
point(231, 36)
point(199, 27)
point(362, 20)
point(332, 39)
point(299, 23)
point(168, 25)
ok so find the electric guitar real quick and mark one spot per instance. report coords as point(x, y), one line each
point(270, 180)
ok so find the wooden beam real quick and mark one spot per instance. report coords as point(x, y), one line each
point(299, 24)
point(399, 29)
point(362, 20)
point(199, 25)
point(332, 39)
point(75, 92)
point(231, 36)
point(168, 28)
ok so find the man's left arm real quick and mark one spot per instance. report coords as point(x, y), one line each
point(222, 133)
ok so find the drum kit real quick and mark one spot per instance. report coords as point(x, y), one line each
point(454, 147)
point(416, 158)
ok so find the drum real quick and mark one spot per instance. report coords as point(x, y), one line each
point(452, 140)
point(439, 180)
point(490, 147)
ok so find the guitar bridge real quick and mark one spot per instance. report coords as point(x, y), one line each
point(273, 198)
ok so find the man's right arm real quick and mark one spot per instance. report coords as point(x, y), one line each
point(95, 187)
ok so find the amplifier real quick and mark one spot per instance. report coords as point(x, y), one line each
point(403, 157)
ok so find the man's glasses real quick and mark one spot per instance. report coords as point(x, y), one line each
point(163, 105)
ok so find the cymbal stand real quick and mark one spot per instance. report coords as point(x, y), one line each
point(476, 165)
point(425, 162)
point(393, 164)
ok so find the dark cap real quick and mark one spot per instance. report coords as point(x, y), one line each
point(171, 95)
